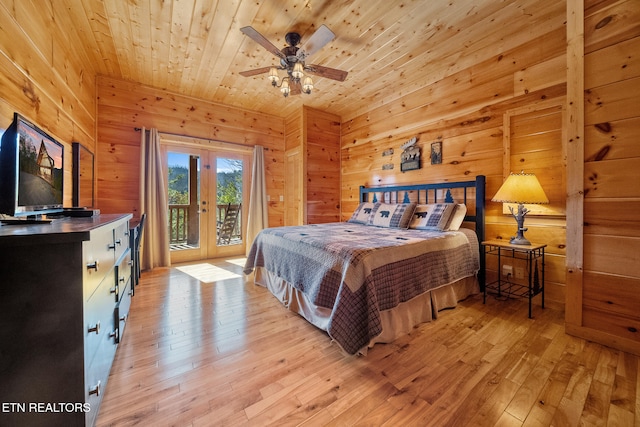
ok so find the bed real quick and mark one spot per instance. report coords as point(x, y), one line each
point(406, 253)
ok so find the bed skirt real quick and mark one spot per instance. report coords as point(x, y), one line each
point(396, 322)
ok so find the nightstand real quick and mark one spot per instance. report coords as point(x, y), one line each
point(531, 256)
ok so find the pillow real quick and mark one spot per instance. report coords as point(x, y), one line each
point(457, 217)
point(392, 215)
point(362, 213)
point(433, 216)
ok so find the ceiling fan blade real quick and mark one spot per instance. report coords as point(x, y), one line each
point(329, 73)
point(317, 41)
point(251, 73)
point(262, 41)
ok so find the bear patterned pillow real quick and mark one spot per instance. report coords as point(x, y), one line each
point(362, 213)
point(433, 216)
point(392, 215)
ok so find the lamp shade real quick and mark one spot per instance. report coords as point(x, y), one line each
point(308, 85)
point(297, 71)
point(521, 188)
point(284, 88)
point(273, 75)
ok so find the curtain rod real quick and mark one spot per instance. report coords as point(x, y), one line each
point(208, 139)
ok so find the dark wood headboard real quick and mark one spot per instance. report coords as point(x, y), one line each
point(452, 192)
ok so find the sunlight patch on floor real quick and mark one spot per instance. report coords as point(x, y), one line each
point(237, 261)
point(208, 273)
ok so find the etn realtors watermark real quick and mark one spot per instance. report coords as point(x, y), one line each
point(44, 407)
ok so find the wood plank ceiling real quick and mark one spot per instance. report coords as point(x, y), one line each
point(390, 48)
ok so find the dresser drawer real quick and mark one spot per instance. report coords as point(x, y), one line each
point(97, 373)
point(98, 256)
point(122, 309)
point(122, 273)
point(121, 239)
point(99, 323)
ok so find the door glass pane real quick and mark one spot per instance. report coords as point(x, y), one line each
point(229, 200)
point(184, 201)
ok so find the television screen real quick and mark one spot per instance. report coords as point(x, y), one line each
point(32, 175)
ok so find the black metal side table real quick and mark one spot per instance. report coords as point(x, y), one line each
point(532, 255)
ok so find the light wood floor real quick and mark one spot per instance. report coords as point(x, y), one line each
point(222, 352)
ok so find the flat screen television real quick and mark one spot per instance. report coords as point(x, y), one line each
point(31, 171)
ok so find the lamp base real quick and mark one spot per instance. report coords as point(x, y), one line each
point(519, 240)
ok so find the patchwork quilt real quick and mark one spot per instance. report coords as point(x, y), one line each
point(357, 271)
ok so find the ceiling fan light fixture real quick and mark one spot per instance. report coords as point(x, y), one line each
point(307, 86)
point(292, 61)
point(297, 72)
point(273, 76)
point(285, 87)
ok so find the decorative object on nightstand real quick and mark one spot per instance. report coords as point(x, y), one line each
point(521, 188)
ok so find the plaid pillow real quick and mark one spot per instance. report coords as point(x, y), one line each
point(362, 213)
point(433, 216)
point(392, 215)
point(457, 217)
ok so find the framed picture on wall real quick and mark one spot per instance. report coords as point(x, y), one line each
point(83, 172)
point(436, 153)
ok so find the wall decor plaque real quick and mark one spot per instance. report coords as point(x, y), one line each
point(410, 158)
point(436, 153)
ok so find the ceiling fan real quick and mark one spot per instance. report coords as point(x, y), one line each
point(292, 60)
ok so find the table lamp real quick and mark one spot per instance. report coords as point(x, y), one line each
point(521, 188)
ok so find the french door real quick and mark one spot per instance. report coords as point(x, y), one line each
point(208, 194)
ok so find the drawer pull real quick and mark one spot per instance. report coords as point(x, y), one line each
point(114, 335)
point(122, 279)
point(95, 390)
point(119, 242)
point(123, 318)
point(112, 247)
point(93, 265)
point(114, 290)
point(95, 329)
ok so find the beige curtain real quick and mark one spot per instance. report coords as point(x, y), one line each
point(153, 202)
point(258, 217)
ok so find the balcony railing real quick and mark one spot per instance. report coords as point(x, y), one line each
point(178, 220)
point(184, 226)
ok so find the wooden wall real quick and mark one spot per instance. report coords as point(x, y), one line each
point(322, 134)
point(124, 106)
point(323, 166)
point(605, 294)
point(466, 112)
point(42, 79)
point(295, 160)
point(312, 158)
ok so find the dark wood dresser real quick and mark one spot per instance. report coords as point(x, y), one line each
point(65, 292)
